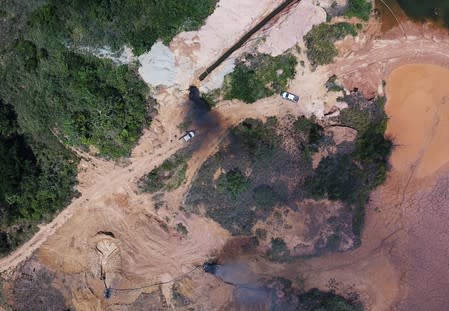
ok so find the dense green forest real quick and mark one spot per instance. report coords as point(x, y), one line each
point(115, 23)
point(52, 93)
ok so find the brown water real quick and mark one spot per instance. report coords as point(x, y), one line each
point(390, 13)
point(418, 107)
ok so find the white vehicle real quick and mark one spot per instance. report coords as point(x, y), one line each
point(188, 135)
point(289, 96)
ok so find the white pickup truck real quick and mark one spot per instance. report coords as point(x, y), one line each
point(188, 136)
point(289, 96)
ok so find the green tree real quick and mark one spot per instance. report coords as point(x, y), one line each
point(233, 183)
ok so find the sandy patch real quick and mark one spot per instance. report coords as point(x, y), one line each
point(123, 56)
point(191, 52)
point(158, 66)
point(292, 27)
point(217, 78)
point(418, 107)
point(195, 50)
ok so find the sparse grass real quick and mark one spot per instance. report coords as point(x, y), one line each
point(320, 41)
point(168, 176)
point(2, 297)
point(259, 76)
point(179, 298)
point(184, 125)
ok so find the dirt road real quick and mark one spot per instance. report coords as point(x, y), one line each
point(366, 63)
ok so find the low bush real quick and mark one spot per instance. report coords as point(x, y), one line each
point(259, 76)
point(212, 97)
point(255, 137)
point(233, 183)
point(359, 8)
point(332, 85)
point(168, 176)
point(313, 131)
point(182, 229)
point(279, 251)
point(238, 201)
point(320, 41)
point(315, 300)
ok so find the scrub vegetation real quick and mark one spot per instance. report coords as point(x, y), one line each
point(258, 175)
point(320, 41)
point(279, 251)
point(351, 177)
point(253, 166)
point(259, 75)
point(295, 298)
point(315, 300)
point(168, 176)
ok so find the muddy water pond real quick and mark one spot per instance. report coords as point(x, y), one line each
point(418, 10)
point(418, 108)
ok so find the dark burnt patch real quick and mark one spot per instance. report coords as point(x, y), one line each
point(201, 118)
point(33, 290)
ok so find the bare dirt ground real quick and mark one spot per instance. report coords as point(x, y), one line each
point(402, 263)
point(366, 61)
